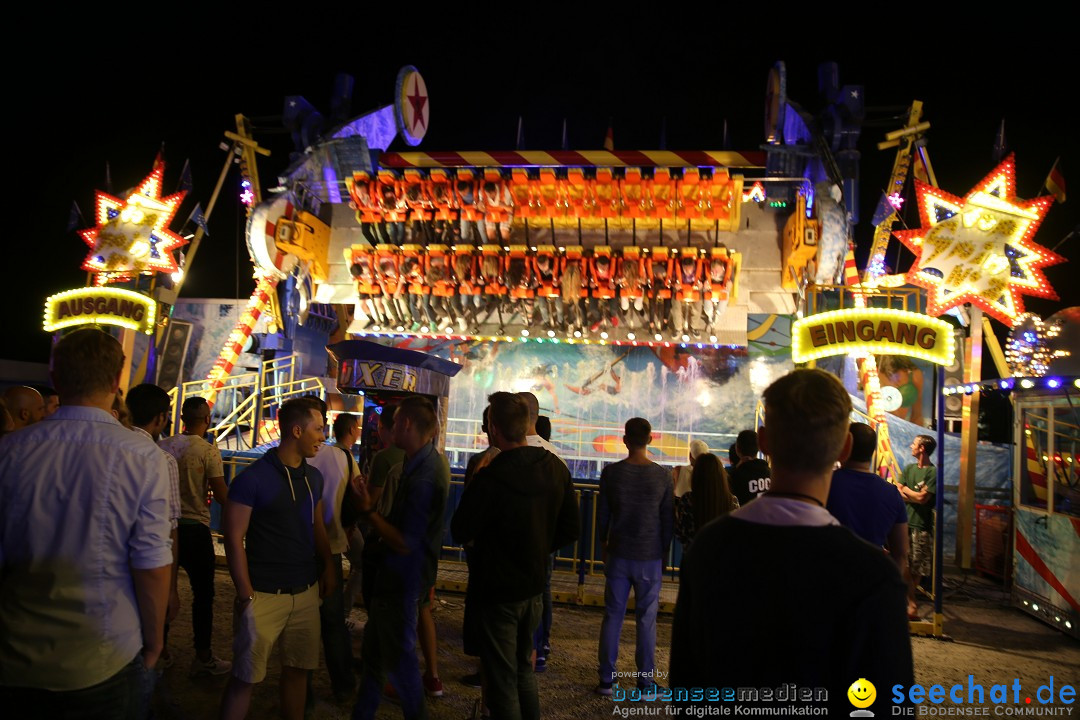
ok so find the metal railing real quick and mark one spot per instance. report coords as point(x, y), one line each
point(245, 401)
point(579, 567)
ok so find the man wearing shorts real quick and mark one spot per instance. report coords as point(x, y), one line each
point(918, 486)
point(276, 505)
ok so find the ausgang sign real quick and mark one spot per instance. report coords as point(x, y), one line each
point(876, 331)
point(100, 306)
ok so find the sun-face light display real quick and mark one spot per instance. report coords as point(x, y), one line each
point(978, 248)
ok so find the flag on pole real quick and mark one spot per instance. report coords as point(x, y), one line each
point(185, 178)
point(199, 219)
point(999, 143)
point(565, 136)
point(851, 272)
point(75, 218)
point(609, 138)
point(1055, 182)
point(521, 133)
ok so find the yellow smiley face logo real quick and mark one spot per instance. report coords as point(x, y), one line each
point(862, 693)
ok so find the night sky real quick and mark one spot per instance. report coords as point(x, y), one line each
point(77, 102)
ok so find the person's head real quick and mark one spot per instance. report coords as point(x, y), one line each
point(386, 425)
point(571, 282)
point(746, 444)
point(120, 410)
point(409, 265)
point(195, 412)
point(489, 267)
point(637, 434)
point(485, 422)
point(463, 267)
point(733, 454)
point(346, 429)
point(630, 272)
point(25, 405)
point(508, 418)
point(387, 267)
point(533, 404)
point(863, 443)
point(603, 266)
point(711, 492)
point(659, 269)
point(805, 432)
point(543, 427)
point(923, 445)
point(301, 426)
point(51, 398)
point(688, 267)
point(149, 406)
point(415, 423)
point(543, 263)
point(85, 367)
point(6, 423)
point(717, 269)
point(515, 273)
point(697, 449)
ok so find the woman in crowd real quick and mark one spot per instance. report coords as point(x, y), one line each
point(709, 498)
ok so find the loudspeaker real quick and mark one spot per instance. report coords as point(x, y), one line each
point(954, 375)
point(171, 362)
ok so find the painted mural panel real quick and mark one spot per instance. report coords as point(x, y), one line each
point(589, 391)
point(1046, 551)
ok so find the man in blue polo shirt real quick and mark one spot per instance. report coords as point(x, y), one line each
point(276, 505)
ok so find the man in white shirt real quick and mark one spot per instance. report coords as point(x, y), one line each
point(336, 464)
point(85, 553)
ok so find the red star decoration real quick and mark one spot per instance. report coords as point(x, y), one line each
point(418, 102)
point(978, 248)
point(132, 236)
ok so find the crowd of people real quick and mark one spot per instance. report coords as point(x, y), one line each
point(783, 579)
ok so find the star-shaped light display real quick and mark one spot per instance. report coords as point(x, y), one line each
point(978, 248)
point(132, 236)
point(418, 99)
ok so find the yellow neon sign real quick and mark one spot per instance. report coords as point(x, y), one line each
point(877, 331)
point(100, 306)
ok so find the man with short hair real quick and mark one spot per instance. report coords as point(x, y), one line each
point(516, 511)
point(336, 464)
point(531, 436)
point(918, 487)
point(635, 522)
point(201, 472)
point(409, 541)
point(750, 478)
point(777, 593)
point(865, 502)
point(149, 406)
point(84, 527)
point(25, 405)
point(275, 544)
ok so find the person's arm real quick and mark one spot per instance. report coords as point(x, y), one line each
point(920, 497)
point(327, 580)
point(219, 489)
point(389, 534)
point(603, 515)
point(234, 527)
point(173, 608)
point(667, 518)
point(899, 542)
point(468, 519)
point(152, 594)
point(568, 527)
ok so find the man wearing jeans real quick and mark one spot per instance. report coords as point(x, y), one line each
point(86, 556)
point(635, 521)
point(516, 511)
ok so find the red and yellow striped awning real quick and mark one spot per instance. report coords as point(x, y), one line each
point(587, 158)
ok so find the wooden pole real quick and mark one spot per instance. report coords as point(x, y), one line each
point(969, 440)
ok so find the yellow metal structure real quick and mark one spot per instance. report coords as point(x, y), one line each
point(798, 253)
point(308, 238)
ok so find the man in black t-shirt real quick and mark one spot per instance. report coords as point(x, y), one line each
point(751, 477)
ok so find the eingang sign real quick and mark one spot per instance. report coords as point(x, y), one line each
point(877, 331)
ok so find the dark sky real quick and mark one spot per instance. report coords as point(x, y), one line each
point(84, 100)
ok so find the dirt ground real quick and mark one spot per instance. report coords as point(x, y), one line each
point(988, 639)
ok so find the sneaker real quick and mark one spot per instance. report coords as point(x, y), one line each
point(546, 650)
point(213, 666)
point(603, 688)
point(472, 680)
point(541, 664)
point(461, 324)
point(433, 686)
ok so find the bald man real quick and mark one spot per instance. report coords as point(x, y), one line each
point(25, 405)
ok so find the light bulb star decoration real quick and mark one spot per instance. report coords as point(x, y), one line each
point(978, 248)
point(132, 236)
